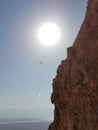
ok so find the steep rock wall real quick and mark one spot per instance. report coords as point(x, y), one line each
point(75, 87)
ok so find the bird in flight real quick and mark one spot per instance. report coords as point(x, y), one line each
point(41, 62)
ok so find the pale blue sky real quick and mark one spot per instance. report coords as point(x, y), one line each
point(22, 77)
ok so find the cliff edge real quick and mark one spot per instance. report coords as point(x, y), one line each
point(75, 87)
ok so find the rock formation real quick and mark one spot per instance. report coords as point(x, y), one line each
point(75, 87)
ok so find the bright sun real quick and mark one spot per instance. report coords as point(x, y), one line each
point(49, 34)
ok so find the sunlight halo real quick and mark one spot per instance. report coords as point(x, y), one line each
point(49, 34)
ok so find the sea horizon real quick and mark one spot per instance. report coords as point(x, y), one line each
point(23, 120)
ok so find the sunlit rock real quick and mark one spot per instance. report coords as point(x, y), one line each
point(75, 87)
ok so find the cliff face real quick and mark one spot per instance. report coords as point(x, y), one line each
point(75, 87)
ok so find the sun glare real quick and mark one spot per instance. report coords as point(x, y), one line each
point(49, 34)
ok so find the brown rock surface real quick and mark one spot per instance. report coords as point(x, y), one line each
point(75, 87)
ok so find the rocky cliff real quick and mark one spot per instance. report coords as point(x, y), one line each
point(75, 87)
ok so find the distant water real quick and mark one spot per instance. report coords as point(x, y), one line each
point(25, 126)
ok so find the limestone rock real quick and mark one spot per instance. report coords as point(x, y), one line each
point(75, 87)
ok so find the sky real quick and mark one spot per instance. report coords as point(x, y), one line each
point(25, 84)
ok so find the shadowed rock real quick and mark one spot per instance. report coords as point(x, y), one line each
point(75, 87)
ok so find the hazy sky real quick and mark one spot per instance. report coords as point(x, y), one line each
point(25, 84)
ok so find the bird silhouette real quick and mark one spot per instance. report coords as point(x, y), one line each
point(41, 62)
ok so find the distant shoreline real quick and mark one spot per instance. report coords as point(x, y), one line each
point(24, 121)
